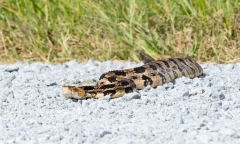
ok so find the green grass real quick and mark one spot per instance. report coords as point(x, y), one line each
point(60, 30)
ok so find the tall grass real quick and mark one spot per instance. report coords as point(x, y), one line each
point(60, 30)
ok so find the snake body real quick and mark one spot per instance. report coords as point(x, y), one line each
point(119, 82)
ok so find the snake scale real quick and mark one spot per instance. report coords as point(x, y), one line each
point(119, 82)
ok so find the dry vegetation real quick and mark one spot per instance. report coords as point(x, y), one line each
point(56, 31)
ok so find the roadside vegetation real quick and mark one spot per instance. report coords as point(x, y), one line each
point(56, 31)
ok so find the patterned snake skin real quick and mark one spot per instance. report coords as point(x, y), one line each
point(119, 82)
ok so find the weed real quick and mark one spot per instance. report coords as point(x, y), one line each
point(56, 31)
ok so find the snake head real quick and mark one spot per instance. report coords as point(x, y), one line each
point(73, 92)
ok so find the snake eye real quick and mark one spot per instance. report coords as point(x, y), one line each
point(80, 92)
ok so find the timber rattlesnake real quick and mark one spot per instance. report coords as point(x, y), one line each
point(119, 82)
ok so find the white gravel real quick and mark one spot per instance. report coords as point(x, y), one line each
point(199, 110)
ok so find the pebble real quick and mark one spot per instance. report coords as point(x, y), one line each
point(199, 110)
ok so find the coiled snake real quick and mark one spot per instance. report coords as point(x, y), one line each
point(119, 82)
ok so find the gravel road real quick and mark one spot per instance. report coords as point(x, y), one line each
point(199, 110)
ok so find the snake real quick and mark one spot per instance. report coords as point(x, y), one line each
point(120, 82)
